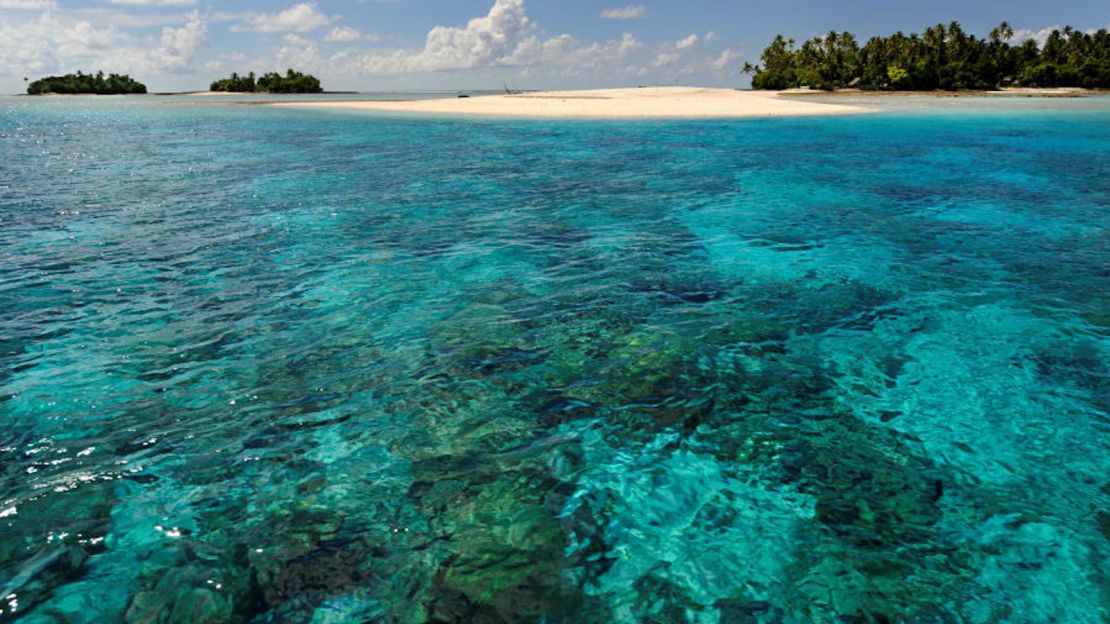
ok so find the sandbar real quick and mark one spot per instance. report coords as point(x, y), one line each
point(635, 103)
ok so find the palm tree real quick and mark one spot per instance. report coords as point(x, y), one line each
point(1003, 33)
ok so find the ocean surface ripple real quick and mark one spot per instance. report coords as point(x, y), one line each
point(262, 365)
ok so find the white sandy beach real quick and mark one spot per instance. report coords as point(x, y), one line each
point(637, 103)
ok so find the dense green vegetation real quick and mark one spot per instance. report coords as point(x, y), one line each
point(273, 82)
point(80, 83)
point(943, 57)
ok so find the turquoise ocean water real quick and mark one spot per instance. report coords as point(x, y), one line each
point(269, 365)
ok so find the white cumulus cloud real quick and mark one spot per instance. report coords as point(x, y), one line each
point(504, 37)
point(727, 58)
point(1021, 35)
point(347, 34)
point(177, 46)
point(670, 53)
point(303, 17)
point(489, 41)
point(632, 11)
point(28, 5)
point(47, 44)
point(298, 52)
point(57, 44)
point(568, 52)
point(688, 42)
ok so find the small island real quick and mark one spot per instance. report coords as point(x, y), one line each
point(273, 82)
point(943, 58)
point(86, 84)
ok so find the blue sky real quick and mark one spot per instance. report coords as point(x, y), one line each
point(464, 44)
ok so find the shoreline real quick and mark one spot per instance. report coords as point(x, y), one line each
point(181, 94)
point(634, 103)
point(1007, 92)
point(246, 93)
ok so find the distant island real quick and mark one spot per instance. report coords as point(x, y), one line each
point(273, 82)
point(942, 58)
point(86, 84)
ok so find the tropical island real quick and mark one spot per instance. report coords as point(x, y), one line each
point(272, 82)
point(86, 84)
point(943, 58)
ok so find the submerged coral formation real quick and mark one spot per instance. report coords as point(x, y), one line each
point(661, 373)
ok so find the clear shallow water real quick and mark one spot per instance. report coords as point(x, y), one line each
point(271, 365)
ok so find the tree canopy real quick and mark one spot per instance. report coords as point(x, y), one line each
point(81, 83)
point(943, 57)
point(273, 82)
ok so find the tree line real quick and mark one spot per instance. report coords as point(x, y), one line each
point(941, 58)
point(272, 82)
point(81, 83)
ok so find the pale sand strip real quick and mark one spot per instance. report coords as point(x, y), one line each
point(641, 103)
